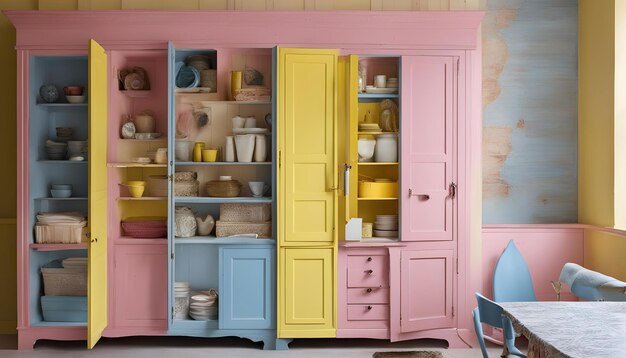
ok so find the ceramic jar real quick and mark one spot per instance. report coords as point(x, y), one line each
point(229, 149)
point(182, 150)
point(161, 156)
point(198, 147)
point(144, 122)
point(245, 147)
point(184, 222)
point(260, 148)
point(386, 148)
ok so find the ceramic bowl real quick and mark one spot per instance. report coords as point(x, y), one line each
point(73, 90)
point(135, 183)
point(75, 99)
point(136, 191)
point(61, 186)
point(365, 148)
point(61, 193)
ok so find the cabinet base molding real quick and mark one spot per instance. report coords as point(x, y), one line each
point(267, 336)
point(133, 331)
point(28, 336)
point(449, 334)
point(363, 333)
point(308, 333)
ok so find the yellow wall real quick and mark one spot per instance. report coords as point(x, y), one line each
point(602, 132)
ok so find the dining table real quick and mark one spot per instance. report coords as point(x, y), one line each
point(570, 329)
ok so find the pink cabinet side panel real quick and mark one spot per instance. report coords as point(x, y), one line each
point(545, 248)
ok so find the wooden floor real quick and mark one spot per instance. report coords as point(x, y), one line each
point(152, 347)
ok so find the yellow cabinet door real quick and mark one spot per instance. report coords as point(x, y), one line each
point(97, 306)
point(307, 179)
point(308, 296)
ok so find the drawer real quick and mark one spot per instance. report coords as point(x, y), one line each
point(368, 271)
point(368, 295)
point(368, 312)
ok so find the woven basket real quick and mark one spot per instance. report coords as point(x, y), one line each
point(59, 281)
point(223, 188)
point(61, 233)
point(186, 188)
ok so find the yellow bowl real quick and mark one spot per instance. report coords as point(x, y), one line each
point(135, 183)
point(136, 191)
point(368, 189)
point(209, 155)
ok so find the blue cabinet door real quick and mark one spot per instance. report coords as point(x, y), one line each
point(247, 286)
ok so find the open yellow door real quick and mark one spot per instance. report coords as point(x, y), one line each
point(97, 295)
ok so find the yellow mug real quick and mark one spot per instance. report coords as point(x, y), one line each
point(209, 155)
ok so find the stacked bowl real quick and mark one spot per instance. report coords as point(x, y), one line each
point(203, 306)
point(56, 150)
point(61, 190)
point(386, 226)
point(64, 134)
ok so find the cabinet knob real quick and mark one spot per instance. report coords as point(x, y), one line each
point(369, 272)
point(369, 258)
point(94, 240)
point(369, 308)
point(369, 290)
point(419, 196)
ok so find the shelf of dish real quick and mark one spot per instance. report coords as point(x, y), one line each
point(135, 165)
point(209, 103)
point(378, 95)
point(61, 199)
point(143, 198)
point(63, 105)
point(127, 240)
point(232, 240)
point(46, 161)
point(219, 200)
point(377, 163)
point(222, 163)
point(374, 133)
point(131, 140)
point(58, 247)
point(365, 199)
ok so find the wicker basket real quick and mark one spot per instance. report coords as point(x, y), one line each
point(185, 176)
point(223, 188)
point(59, 281)
point(245, 212)
point(65, 233)
point(186, 188)
point(224, 228)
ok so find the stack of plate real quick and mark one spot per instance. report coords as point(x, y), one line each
point(181, 300)
point(369, 127)
point(386, 226)
point(392, 82)
point(203, 306)
point(56, 150)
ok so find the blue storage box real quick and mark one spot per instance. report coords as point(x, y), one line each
point(64, 308)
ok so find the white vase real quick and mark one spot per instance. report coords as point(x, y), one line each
point(386, 148)
point(260, 148)
point(182, 150)
point(229, 149)
point(205, 226)
point(245, 147)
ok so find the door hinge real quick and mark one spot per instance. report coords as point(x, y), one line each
point(457, 265)
point(452, 311)
point(280, 158)
point(172, 312)
point(172, 255)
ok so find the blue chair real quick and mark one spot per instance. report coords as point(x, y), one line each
point(511, 278)
point(490, 313)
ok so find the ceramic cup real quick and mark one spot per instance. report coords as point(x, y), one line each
point(380, 81)
point(250, 122)
point(238, 122)
point(258, 188)
point(209, 155)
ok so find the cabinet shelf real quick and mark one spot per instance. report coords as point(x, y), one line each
point(58, 247)
point(214, 200)
point(193, 90)
point(160, 139)
point(222, 163)
point(258, 103)
point(378, 95)
point(143, 198)
point(212, 240)
point(61, 199)
point(64, 105)
point(368, 199)
point(135, 165)
point(58, 324)
point(187, 326)
point(46, 161)
point(375, 133)
point(127, 240)
point(377, 163)
point(137, 93)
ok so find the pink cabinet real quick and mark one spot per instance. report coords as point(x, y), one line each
point(139, 289)
point(427, 168)
point(426, 289)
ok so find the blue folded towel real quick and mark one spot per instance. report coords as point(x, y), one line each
point(592, 285)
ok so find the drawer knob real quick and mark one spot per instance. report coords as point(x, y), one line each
point(369, 258)
point(369, 308)
point(369, 272)
point(369, 290)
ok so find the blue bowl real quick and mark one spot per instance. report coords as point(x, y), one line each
point(61, 193)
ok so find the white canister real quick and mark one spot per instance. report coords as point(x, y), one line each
point(250, 122)
point(245, 147)
point(238, 122)
point(260, 148)
point(161, 156)
point(386, 148)
point(182, 150)
point(229, 149)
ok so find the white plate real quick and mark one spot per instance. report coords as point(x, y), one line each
point(386, 233)
point(250, 130)
point(381, 90)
